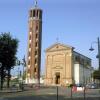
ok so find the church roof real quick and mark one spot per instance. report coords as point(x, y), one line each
point(61, 45)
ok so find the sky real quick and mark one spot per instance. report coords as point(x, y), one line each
point(74, 22)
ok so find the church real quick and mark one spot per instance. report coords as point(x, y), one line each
point(64, 66)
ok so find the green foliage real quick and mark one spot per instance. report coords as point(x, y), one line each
point(96, 74)
point(8, 50)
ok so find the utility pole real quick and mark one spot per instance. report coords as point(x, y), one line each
point(99, 52)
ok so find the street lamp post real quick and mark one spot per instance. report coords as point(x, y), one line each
point(84, 81)
point(99, 52)
point(23, 63)
point(98, 55)
point(0, 64)
point(18, 74)
point(0, 77)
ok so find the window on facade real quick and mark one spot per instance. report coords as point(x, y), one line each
point(35, 52)
point(29, 53)
point(36, 28)
point(82, 61)
point(36, 36)
point(35, 61)
point(77, 59)
point(37, 13)
point(36, 44)
point(34, 13)
point(35, 69)
point(30, 37)
point(29, 62)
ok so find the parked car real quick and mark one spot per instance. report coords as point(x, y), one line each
point(91, 85)
point(79, 85)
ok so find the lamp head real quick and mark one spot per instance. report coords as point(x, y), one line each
point(97, 56)
point(91, 49)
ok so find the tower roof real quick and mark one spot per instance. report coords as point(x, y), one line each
point(35, 5)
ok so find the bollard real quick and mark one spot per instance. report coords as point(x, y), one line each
point(57, 92)
point(84, 93)
point(71, 92)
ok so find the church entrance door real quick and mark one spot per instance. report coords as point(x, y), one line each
point(57, 78)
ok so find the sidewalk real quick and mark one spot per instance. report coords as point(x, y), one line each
point(10, 90)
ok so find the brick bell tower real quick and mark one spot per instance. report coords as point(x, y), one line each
point(34, 45)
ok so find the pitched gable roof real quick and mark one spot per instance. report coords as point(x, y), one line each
point(59, 46)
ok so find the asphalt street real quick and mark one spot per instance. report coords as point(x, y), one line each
point(50, 93)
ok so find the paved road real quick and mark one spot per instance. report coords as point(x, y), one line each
point(49, 93)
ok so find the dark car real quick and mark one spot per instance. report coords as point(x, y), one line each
point(79, 85)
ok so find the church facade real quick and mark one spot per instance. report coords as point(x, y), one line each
point(64, 66)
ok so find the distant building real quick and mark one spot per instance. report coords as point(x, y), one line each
point(34, 45)
point(14, 77)
point(64, 66)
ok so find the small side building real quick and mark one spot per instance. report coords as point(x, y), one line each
point(64, 66)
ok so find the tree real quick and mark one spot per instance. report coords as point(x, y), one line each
point(8, 50)
point(96, 74)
